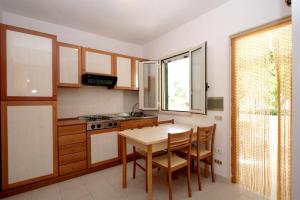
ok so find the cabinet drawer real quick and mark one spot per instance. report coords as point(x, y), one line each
point(74, 157)
point(71, 139)
point(72, 167)
point(71, 130)
point(72, 148)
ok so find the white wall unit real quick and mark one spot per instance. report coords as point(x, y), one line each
point(29, 64)
point(29, 133)
point(69, 65)
point(97, 62)
point(103, 147)
point(123, 67)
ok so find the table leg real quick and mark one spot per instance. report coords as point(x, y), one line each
point(124, 155)
point(149, 171)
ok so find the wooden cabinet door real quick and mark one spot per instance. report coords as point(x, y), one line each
point(28, 142)
point(28, 68)
point(124, 72)
point(69, 57)
point(103, 147)
point(96, 61)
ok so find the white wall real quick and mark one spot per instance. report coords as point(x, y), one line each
point(1, 11)
point(86, 100)
point(215, 27)
point(296, 100)
point(73, 36)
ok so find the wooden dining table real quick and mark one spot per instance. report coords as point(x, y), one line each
point(150, 140)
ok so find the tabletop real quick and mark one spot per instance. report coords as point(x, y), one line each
point(155, 134)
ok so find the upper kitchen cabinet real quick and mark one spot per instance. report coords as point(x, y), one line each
point(123, 70)
point(126, 69)
point(28, 64)
point(69, 60)
point(97, 61)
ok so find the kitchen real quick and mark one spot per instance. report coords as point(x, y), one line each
point(94, 85)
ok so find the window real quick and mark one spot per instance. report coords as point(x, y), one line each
point(184, 81)
point(177, 83)
point(148, 85)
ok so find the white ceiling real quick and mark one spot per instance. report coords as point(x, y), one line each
point(135, 21)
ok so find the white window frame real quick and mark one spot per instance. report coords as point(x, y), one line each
point(141, 85)
point(203, 110)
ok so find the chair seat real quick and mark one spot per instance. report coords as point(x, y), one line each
point(202, 152)
point(175, 161)
point(143, 153)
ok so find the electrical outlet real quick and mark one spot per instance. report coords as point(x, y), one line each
point(218, 151)
point(219, 162)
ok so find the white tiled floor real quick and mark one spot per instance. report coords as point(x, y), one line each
point(106, 185)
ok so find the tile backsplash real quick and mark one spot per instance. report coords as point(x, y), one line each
point(73, 102)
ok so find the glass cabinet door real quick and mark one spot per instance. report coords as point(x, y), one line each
point(148, 82)
point(29, 65)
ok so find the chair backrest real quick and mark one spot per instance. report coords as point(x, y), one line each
point(178, 141)
point(171, 121)
point(206, 136)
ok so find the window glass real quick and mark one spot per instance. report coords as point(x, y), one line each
point(177, 84)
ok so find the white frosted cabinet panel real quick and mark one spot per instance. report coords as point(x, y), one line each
point(97, 63)
point(30, 142)
point(124, 72)
point(68, 65)
point(104, 146)
point(29, 65)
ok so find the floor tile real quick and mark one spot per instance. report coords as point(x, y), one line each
point(106, 185)
point(72, 189)
point(50, 192)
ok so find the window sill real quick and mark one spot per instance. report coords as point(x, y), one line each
point(180, 113)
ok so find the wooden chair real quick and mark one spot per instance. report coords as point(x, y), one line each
point(171, 162)
point(203, 151)
point(137, 153)
point(171, 121)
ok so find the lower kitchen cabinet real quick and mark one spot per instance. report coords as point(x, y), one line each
point(102, 146)
point(71, 146)
point(28, 142)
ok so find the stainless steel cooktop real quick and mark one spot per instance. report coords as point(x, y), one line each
point(99, 122)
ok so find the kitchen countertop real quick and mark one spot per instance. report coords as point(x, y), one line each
point(70, 121)
point(76, 120)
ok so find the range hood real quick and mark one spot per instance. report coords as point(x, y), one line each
point(99, 80)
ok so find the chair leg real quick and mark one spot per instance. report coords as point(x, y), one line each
point(193, 165)
point(189, 180)
point(206, 168)
point(212, 169)
point(199, 174)
point(146, 177)
point(170, 185)
point(134, 163)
